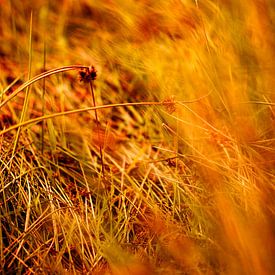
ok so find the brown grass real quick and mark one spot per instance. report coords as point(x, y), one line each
point(168, 168)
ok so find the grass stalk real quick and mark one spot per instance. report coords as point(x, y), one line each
point(76, 111)
point(43, 98)
point(26, 99)
point(98, 127)
point(39, 77)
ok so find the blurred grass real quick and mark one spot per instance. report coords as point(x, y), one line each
point(185, 191)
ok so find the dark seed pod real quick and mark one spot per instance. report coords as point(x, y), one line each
point(88, 74)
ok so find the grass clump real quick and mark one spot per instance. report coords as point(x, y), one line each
point(155, 155)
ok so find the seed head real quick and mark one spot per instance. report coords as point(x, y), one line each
point(169, 104)
point(88, 74)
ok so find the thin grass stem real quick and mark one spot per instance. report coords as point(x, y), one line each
point(98, 127)
point(39, 77)
point(87, 109)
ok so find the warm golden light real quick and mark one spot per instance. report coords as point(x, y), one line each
point(137, 137)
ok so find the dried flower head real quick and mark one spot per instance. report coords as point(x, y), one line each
point(88, 74)
point(169, 104)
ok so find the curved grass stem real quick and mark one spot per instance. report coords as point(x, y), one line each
point(87, 109)
point(41, 76)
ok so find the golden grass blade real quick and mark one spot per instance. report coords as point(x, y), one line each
point(39, 77)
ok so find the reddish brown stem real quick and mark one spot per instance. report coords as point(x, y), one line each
point(98, 126)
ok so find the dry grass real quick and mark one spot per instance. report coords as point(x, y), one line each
point(172, 172)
